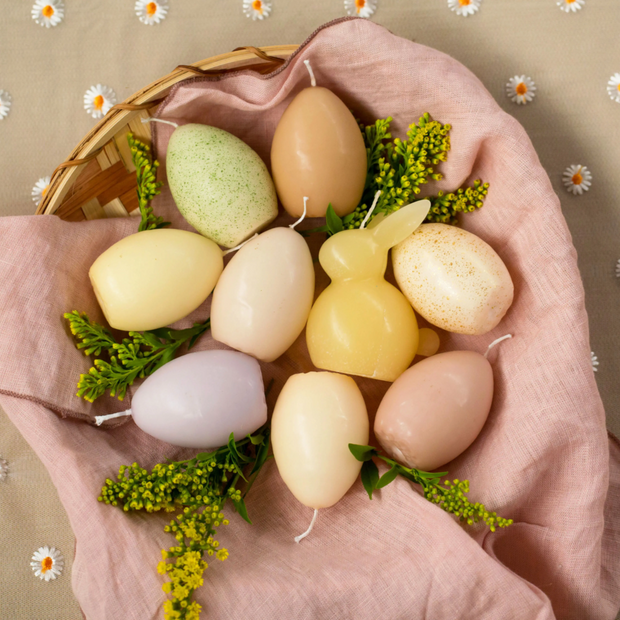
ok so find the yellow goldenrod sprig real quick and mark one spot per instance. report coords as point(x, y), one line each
point(450, 496)
point(199, 487)
point(135, 357)
point(148, 186)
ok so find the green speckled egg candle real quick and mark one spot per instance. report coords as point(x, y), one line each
point(220, 185)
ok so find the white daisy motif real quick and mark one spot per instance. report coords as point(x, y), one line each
point(151, 12)
point(570, 5)
point(4, 469)
point(256, 9)
point(594, 361)
point(577, 179)
point(361, 8)
point(521, 89)
point(47, 563)
point(98, 100)
point(464, 7)
point(5, 103)
point(48, 13)
point(40, 189)
point(613, 87)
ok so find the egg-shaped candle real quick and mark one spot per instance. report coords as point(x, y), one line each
point(155, 277)
point(361, 324)
point(316, 417)
point(262, 300)
point(453, 279)
point(435, 409)
point(199, 399)
point(220, 185)
point(318, 151)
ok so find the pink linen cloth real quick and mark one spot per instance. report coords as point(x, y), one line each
point(543, 457)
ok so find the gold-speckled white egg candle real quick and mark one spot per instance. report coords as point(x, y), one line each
point(453, 278)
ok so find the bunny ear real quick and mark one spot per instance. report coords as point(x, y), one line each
point(400, 224)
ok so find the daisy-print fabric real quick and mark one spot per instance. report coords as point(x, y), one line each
point(397, 556)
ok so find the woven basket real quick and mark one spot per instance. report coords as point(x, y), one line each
point(98, 179)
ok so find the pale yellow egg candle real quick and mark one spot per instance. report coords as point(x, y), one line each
point(154, 278)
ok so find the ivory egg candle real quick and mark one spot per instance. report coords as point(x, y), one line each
point(316, 417)
point(435, 409)
point(262, 300)
point(155, 277)
point(361, 324)
point(318, 151)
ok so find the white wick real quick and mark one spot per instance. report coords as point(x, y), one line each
point(372, 208)
point(238, 247)
point(486, 355)
point(100, 419)
point(301, 219)
point(158, 120)
point(311, 72)
point(302, 536)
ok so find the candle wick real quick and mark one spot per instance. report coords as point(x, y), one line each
point(100, 419)
point(158, 120)
point(486, 355)
point(302, 536)
point(311, 72)
point(238, 247)
point(372, 208)
point(301, 219)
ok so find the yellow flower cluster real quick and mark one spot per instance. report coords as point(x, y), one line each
point(194, 531)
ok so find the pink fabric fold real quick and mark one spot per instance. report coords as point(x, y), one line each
point(543, 457)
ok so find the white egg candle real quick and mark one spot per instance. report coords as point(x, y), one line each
point(199, 399)
point(453, 279)
point(264, 296)
point(220, 185)
point(316, 417)
point(155, 277)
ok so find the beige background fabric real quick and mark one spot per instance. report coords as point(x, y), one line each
point(572, 120)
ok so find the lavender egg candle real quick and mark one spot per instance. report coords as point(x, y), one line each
point(197, 400)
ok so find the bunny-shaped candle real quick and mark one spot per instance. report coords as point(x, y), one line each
point(361, 324)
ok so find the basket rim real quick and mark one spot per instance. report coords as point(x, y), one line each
point(111, 122)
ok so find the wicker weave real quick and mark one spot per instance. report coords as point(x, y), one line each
point(105, 185)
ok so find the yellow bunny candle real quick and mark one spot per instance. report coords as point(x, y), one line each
point(361, 324)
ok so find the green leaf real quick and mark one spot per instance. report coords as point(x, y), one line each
point(256, 440)
point(261, 456)
point(388, 477)
point(334, 223)
point(362, 453)
point(370, 477)
point(205, 456)
point(242, 510)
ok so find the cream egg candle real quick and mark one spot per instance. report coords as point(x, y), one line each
point(361, 324)
point(199, 399)
point(316, 417)
point(155, 277)
point(453, 279)
point(262, 300)
point(318, 151)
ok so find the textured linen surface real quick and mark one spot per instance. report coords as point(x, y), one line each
point(542, 458)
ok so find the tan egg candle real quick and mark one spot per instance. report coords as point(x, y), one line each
point(318, 151)
point(435, 409)
point(316, 417)
point(453, 279)
point(155, 277)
